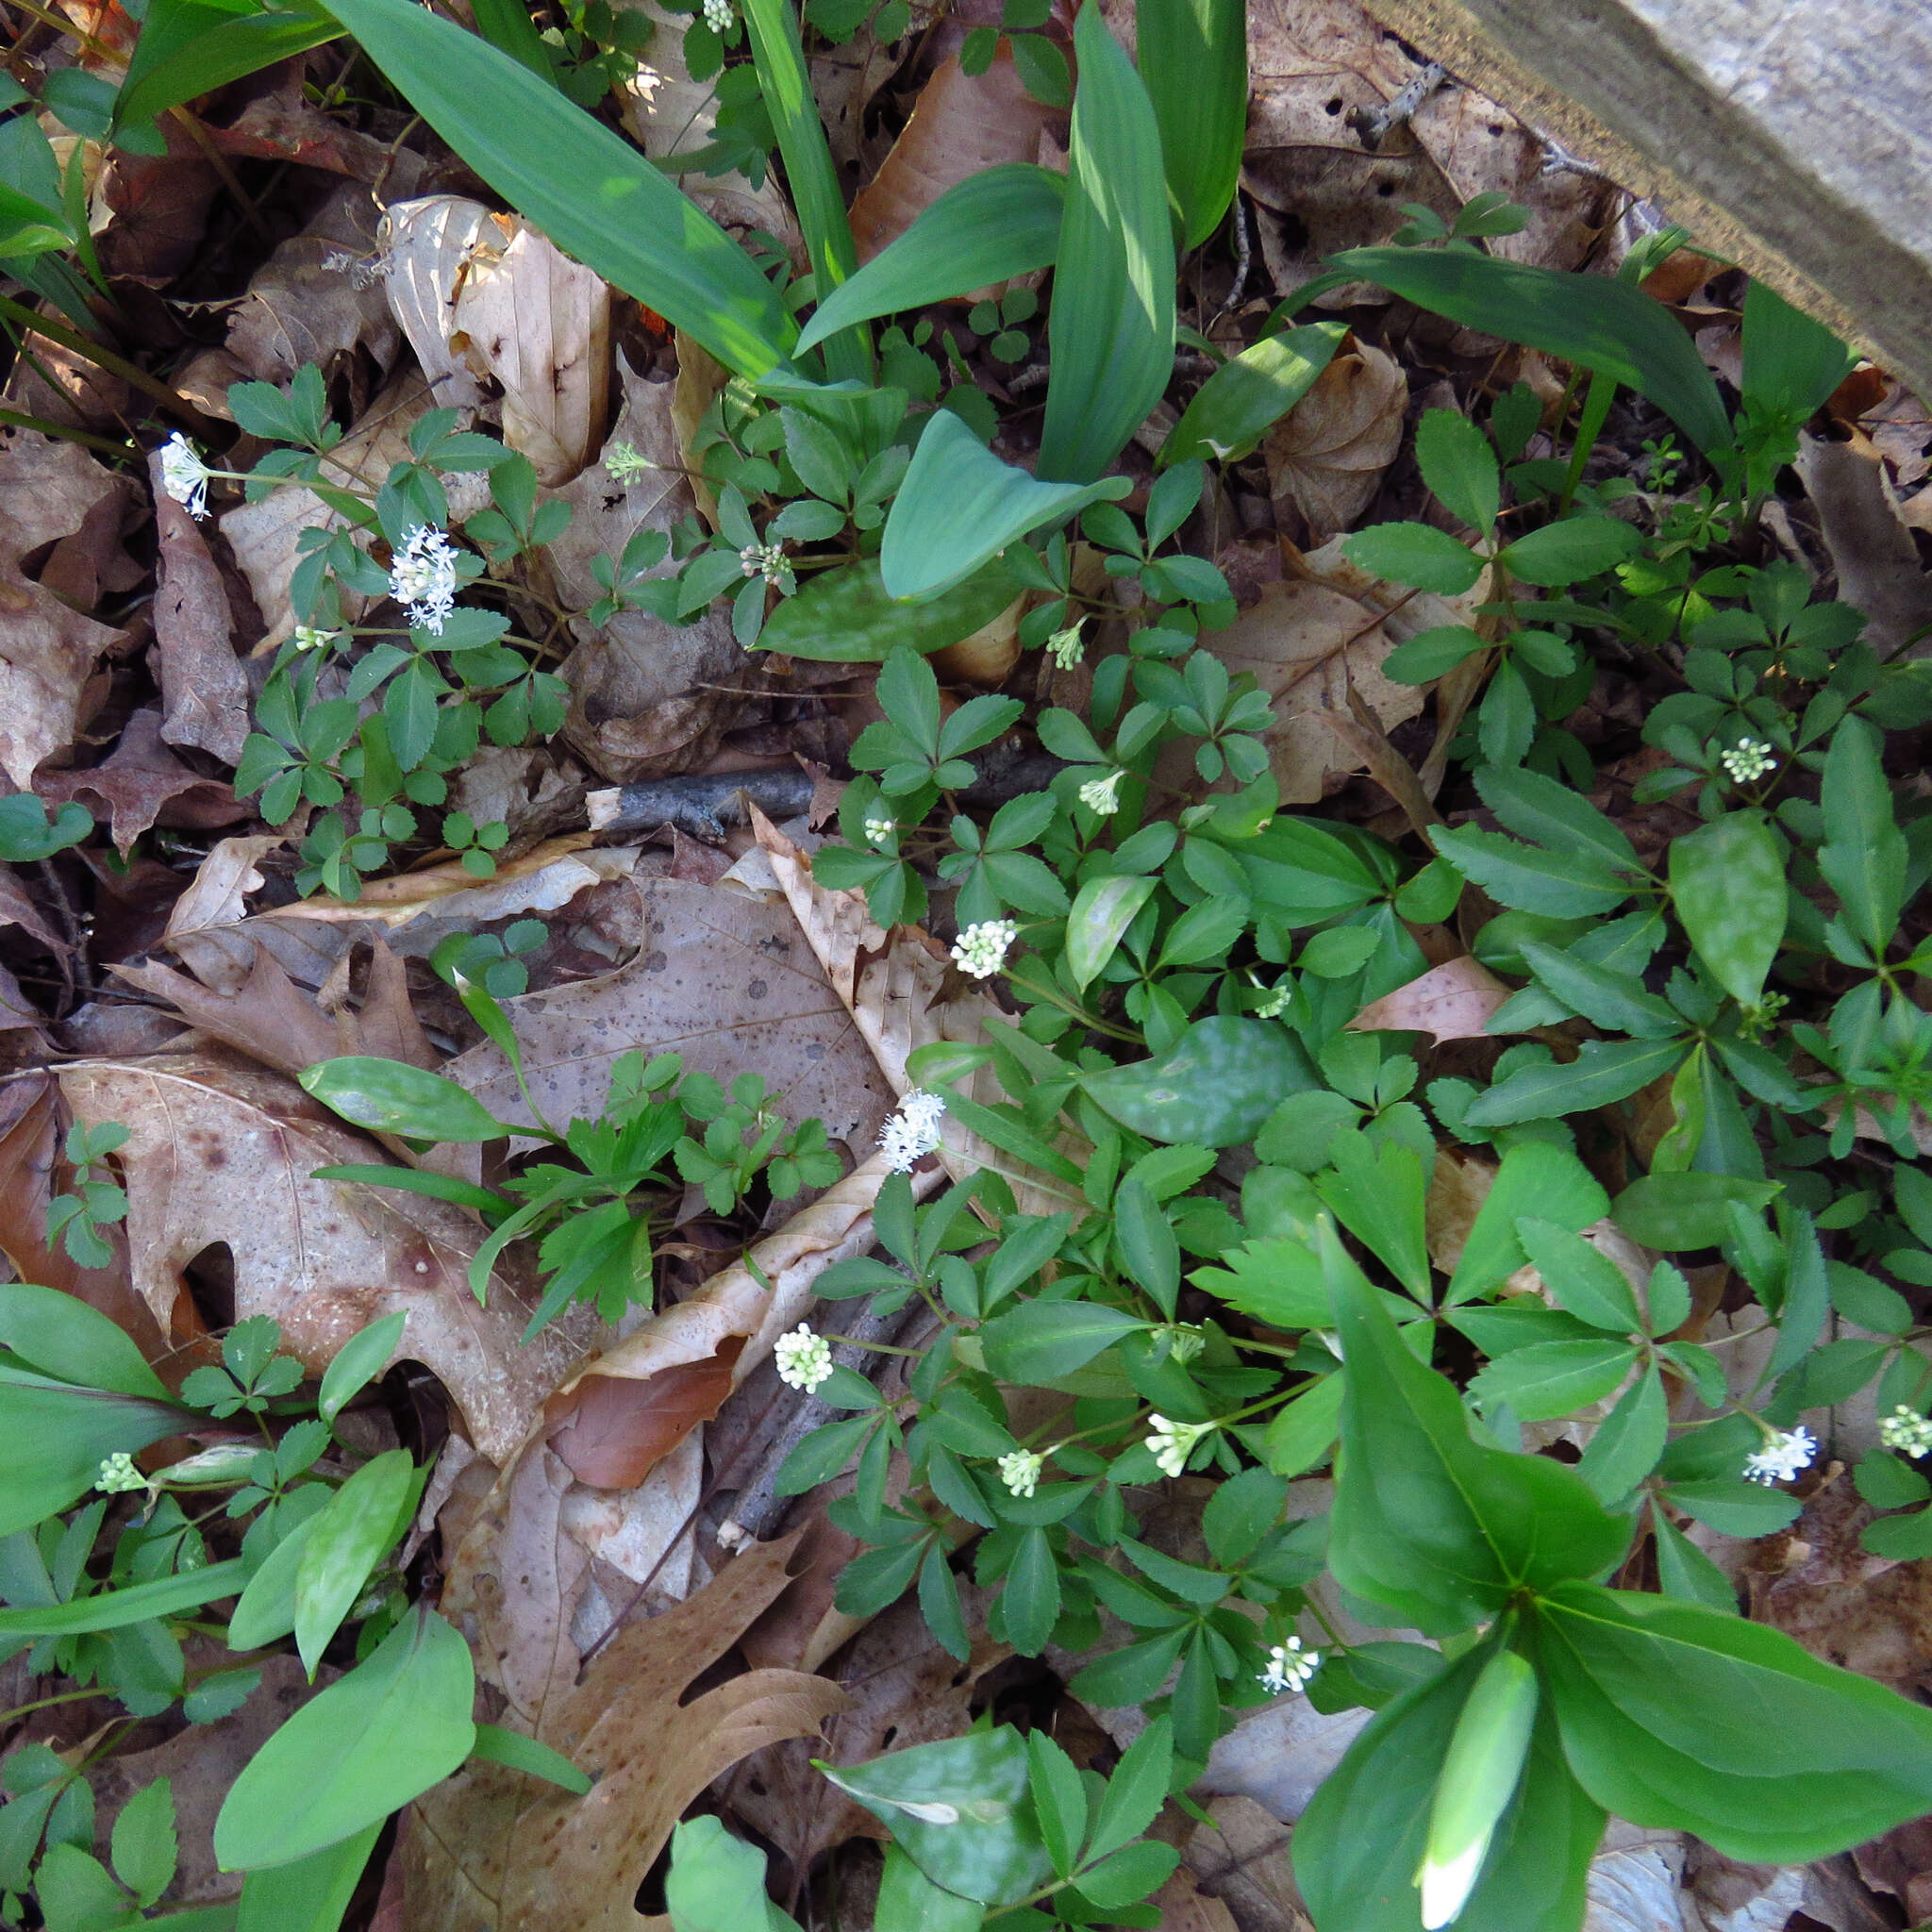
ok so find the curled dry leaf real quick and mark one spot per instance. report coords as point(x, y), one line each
point(896, 985)
point(427, 245)
point(1877, 560)
point(219, 1154)
point(204, 688)
point(964, 123)
point(647, 699)
point(493, 1852)
point(48, 488)
point(216, 899)
point(1454, 1001)
point(142, 783)
point(1327, 456)
point(624, 1412)
point(17, 909)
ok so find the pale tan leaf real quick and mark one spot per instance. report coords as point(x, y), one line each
point(216, 898)
point(700, 376)
point(427, 243)
point(204, 688)
point(987, 655)
point(1877, 560)
point(219, 1154)
point(1327, 456)
point(1453, 1000)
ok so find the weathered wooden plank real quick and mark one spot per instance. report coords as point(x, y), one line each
point(1794, 135)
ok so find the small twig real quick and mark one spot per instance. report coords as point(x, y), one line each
point(77, 973)
point(1244, 251)
point(1374, 125)
point(1028, 379)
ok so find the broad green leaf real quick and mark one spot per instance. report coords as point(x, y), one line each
point(1553, 1378)
point(1417, 553)
point(349, 1538)
point(1628, 1441)
point(1103, 910)
point(58, 1437)
point(960, 505)
point(1041, 1341)
point(716, 1883)
point(396, 1725)
point(1792, 363)
point(1249, 393)
point(1428, 1523)
point(1728, 890)
point(145, 1843)
point(1112, 326)
point(1193, 57)
point(1594, 320)
point(266, 1608)
point(62, 1337)
point(1686, 1210)
point(1302, 1434)
point(190, 47)
point(1213, 1088)
point(1535, 1178)
point(1570, 550)
point(312, 1895)
point(506, 24)
point(1863, 856)
point(594, 195)
point(845, 616)
point(1460, 465)
point(960, 1810)
point(1000, 222)
point(392, 1097)
point(1678, 1716)
point(909, 1901)
point(75, 1894)
point(358, 1362)
point(117, 1610)
point(1603, 1072)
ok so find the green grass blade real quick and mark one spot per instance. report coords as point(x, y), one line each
point(1193, 58)
point(507, 25)
point(190, 47)
point(1000, 222)
point(783, 78)
point(1589, 319)
point(596, 196)
point(1111, 329)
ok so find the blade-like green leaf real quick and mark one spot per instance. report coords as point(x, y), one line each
point(1111, 327)
point(1589, 319)
point(1193, 57)
point(62, 1337)
point(190, 47)
point(350, 1535)
point(1246, 396)
point(1864, 855)
point(530, 1755)
point(1604, 1070)
point(311, 1895)
point(959, 506)
point(593, 194)
point(59, 1436)
point(1792, 363)
point(116, 1609)
point(1000, 222)
point(392, 1097)
point(845, 616)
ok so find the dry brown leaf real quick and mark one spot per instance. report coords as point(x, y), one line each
point(964, 123)
point(491, 1852)
point(1184, 1907)
point(426, 245)
point(1453, 1000)
point(1241, 1858)
point(896, 986)
point(619, 1416)
point(648, 699)
point(268, 1017)
point(723, 980)
point(1327, 456)
point(1877, 560)
point(204, 688)
point(538, 325)
point(17, 909)
point(222, 1154)
point(216, 899)
point(987, 655)
point(48, 487)
point(142, 783)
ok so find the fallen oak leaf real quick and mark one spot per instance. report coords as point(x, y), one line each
point(142, 783)
point(1454, 1001)
point(204, 688)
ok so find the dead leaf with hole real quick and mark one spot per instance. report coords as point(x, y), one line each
point(647, 699)
point(1326, 458)
point(904, 991)
point(964, 123)
point(48, 650)
point(1453, 1000)
point(142, 783)
point(1876, 558)
point(222, 1154)
point(493, 1852)
point(204, 688)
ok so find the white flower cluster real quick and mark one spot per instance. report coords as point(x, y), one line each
point(423, 578)
point(622, 463)
point(1907, 1432)
point(803, 1359)
point(1779, 1462)
point(718, 15)
point(1019, 1470)
point(1065, 649)
point(1103, 795)
point(119, 1476)
point(914, 1131)
point(1290, 1667)
point(307, 638)
point(1174, 1442)
point(764, 559)
point(183, 475)
point(1748, 761)
point(1185, 1339)
point(1277, 1002)
point(878, 830)
point(981, 949)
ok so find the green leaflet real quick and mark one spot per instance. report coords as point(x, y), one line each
point(1112, 326)
point(1000, 222)
point(596, 196)
point(1248, 394)
point(1428, 1523)
point(1728, 890)
point(1792, 363)
point(1535, 1178)
point(1213, 1088)
point(960, 505)
point(1193, 57)
point(190, 47)
point(1602, 325)
point(59, 1436)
